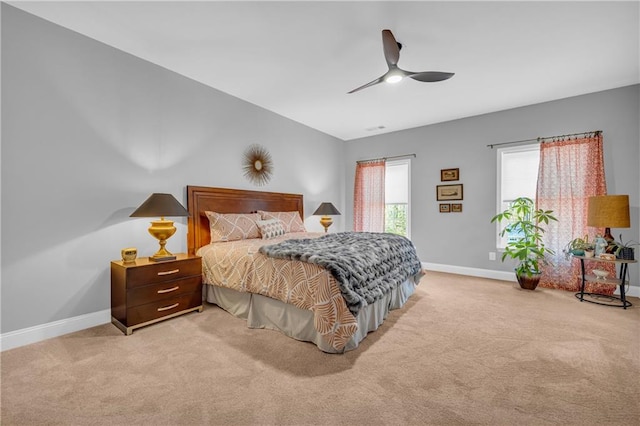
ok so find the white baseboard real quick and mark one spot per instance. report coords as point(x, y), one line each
point(473, 272)
point(26, 336)
point(633, 291)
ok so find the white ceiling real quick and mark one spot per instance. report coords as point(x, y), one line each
point(299, 59)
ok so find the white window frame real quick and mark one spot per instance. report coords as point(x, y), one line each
point(501, 241)
point(406, 161)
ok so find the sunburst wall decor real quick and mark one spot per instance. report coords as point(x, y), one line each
point(257, 165)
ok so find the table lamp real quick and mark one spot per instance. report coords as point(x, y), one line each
point(326, 210)
point(608, 211)
point(161, 205)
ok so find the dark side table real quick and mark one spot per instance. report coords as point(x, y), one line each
point(602, 299)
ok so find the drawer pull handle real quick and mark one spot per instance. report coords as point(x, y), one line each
point(166, 308)
point(175, 271)
point(168, 290)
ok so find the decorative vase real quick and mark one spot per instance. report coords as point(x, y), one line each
point(528, 282)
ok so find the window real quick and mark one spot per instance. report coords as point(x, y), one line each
point(517, 177)
point(397, 197)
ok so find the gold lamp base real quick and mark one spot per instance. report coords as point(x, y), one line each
point(326, 221)
point(162, 230)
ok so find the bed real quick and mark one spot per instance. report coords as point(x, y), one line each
point(302, 300)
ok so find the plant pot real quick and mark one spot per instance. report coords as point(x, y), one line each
point(626, 253)
point(577, 252)
point(528, 282)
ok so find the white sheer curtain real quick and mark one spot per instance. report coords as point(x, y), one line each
point(368, 202)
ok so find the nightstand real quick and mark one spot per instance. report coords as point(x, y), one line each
point(145, 292)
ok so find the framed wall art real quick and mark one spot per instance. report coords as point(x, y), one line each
point(445, 208)
point(449, 192)
point(449, 174)
point(456, 208)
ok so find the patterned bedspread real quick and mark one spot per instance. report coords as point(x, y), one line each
point(367, 265)
point(239, 265)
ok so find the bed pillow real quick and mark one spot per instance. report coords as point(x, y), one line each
point(270, 228)
point(291, 221)
point(233, 226)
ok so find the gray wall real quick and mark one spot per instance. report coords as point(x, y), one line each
point(466, 239)
point(88, 133)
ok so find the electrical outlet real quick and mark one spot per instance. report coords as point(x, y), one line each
point(492, 255)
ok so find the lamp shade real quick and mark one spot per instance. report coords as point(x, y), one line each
point(326, 209)
point(160, 205)
point(609, 211)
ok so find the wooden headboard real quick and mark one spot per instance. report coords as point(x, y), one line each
point(224, 200)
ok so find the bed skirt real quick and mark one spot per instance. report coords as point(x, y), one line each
point(264, 312)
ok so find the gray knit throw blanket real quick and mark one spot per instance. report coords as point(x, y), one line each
point(366, 265)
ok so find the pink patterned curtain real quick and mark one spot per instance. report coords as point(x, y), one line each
point(368, 203)
point(570, 172)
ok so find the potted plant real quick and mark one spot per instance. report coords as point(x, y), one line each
point(526, 246)
point(624, 250)
point(579, 246)
point(589, 251)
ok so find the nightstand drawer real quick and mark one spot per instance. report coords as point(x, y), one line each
point(162, 308)
point(168, 289)
point(165, 271)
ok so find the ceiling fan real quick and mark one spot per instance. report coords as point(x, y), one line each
point(391, 54)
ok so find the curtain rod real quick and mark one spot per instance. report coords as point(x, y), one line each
point(543, 139)
point(386, 158)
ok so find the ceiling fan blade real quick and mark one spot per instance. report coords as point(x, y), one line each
point(431, 76)
point(369, 84)
point(390, 47)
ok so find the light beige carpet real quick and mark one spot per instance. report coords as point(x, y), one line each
point(462, 351)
